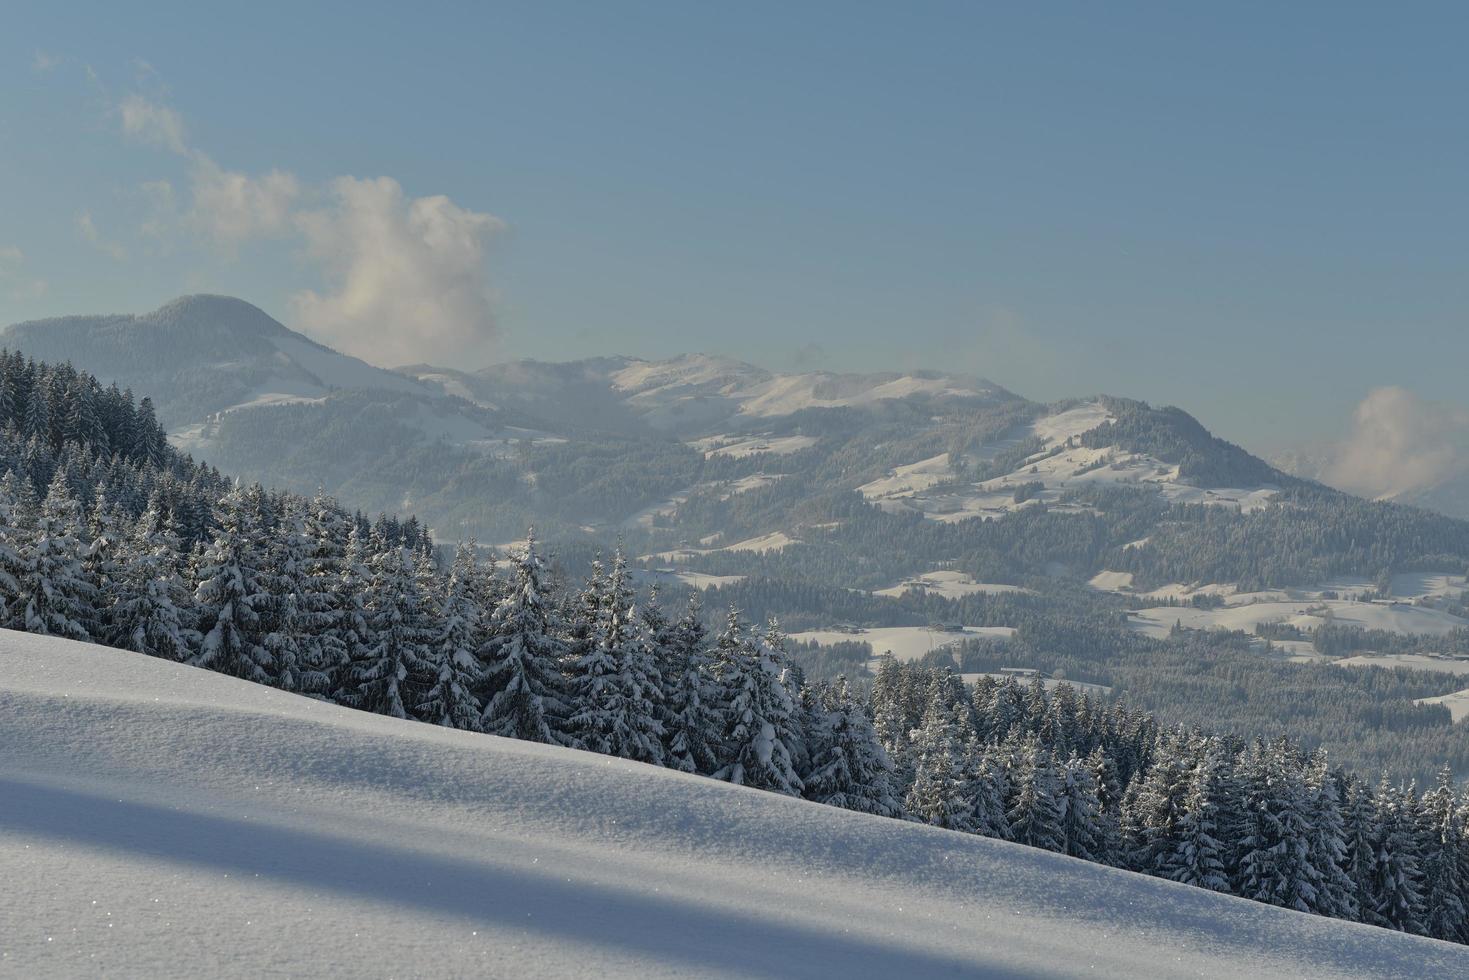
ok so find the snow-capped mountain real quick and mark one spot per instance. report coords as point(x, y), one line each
point(691, 395)
point(160, 820)
point(201, 355)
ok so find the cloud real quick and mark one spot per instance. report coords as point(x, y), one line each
point(43, 62)
point(233, 207)
point(403, 278)
point(153, 122)
point(12, 274)
point(89, 232)
point(406, 274)
point(1400, 444)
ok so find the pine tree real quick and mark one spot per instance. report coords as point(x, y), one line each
point(285, 622)
point(10, 558)
point(1275, 863)
point(150, 615)
point(1197, 857)
point(53, 596)
point(937, 796)
point(1079, 811)
point(392, 673)
point(522, 688)
point(757, 723)
point(450, 700)
point(1328, 833)
point(1035, 815)
point(230, 593)
point(852, 770)
point(616, 683)
point(1444, 871)
point(1397, 882)
point(692, 711)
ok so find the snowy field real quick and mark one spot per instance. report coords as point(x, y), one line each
point(673, 580)
point(160, 821)
point(1457, 703)
point(738, 448)
point(774, 541)
point(949, 585)
point(1412, 661)
point(904, 642)
point(1398, 618)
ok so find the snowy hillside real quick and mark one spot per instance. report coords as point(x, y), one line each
point(690, 395)
point(157, 820)
point(199, 355)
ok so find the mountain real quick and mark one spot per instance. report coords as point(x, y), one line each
point(159, 820)
point(691, 395)
point(204, 355)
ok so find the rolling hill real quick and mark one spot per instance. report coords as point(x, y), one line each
point(164, 821)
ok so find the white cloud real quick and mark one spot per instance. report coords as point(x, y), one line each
point(153, 122)
point(233, 207)
point(89, 232)
point(403, 278)
point(18, 285)
point(407, 274)
point(1400, 444)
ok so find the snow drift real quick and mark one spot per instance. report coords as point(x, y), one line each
point(158, 820)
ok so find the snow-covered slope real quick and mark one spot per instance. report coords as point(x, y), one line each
point(199, 355)
point(691, 395)
point(160, 821)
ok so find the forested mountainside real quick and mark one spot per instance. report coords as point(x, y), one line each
point(300, 595)
point(1101, 539)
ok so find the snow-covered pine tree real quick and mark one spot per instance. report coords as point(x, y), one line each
point(1151, 810)
point(1337, 895)
point(987, 787)
point(852, 770)
point(938, 795)
point(1109, 804)
point(321, 604)
point(10, 560)
point(691, 703)
point(230, 592)
point(1080, 810)
point(53, 596)
point(450, 700)
point(1196, 856)
point(390, 676)
point(1275, 866)
point(757, 722)
point(1444, 859)
point(151, 614)
point(1397, 879)
point(285, 622)
point(616, 686)
point(522, 688)
point(1035, 814)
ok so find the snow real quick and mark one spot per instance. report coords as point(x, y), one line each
point(1050, 683)
point(910, 479)
point(1056, 429)
point(1413, 661)
point(774, 541)
point(682, 578)
point(904, 642)
point(721, 489)
point(948, 584)
point(740, 448)
point(157, 820)
point(1396, 617)
point(1457, 703)
point(1105, 581)
point(927, 486)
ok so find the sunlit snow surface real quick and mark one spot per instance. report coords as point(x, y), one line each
point(160, 821)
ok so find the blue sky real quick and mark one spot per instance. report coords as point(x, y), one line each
point(1255, 211)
